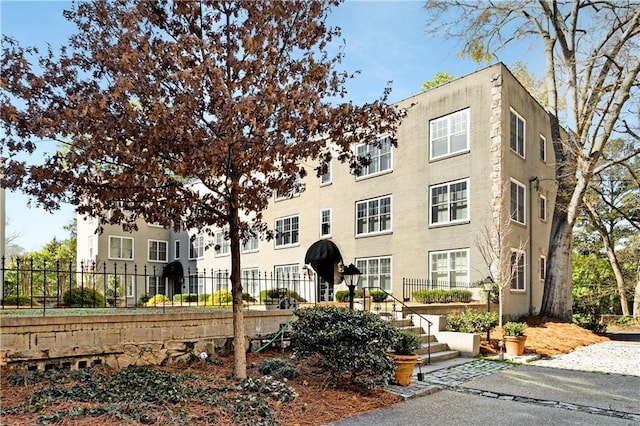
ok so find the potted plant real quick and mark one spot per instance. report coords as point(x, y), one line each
point(403, 351)
point(514, 337)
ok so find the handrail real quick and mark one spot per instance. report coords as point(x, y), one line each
point(408, 308)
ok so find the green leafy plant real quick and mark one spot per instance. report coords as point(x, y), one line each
point(278, 368)
point(443, 296)
point(20, 301)
point(343, 295)
point(471, 321)
point(378, 296)
point(589, 322)
point(158, 299)
point(185, 298)
point(406, 343)
point(348, 342)
point(513, 328)
point(83, 297)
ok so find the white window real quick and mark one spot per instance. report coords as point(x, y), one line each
point(543, 268)
point(518, 261)
point(376, 272)
point(120, 248)
point(294, 191)
point(287, 276)
point(449, 268)
point(379, 155)
point(155, 285)
point(543, 148)
point(196, 247)
point(176, 249)
point(158, 251)
point(449, 203)
point(325, 179)
point(517, 202)
point(325, 222)
point(287, 231)
point(517, 134)
point(373, 216)
point(449, 135)
point(196, 283)
point(543, 208)
point(222, 245)
point(90, 245)
point(251, 281)
point(250, 244)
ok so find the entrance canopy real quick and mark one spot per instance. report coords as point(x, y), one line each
point(323, 255)
point(173, 270)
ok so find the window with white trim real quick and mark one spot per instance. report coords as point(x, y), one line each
point(543, 148)
point(294, 191)
point(196, 247)
point(250, 244)
point(518, 272)
point(517, 132)
point(325, 222)
point(120, 248)
point(90, 244)
point(176, 249)
point(222, 244)
point(196, 283)
point(543, 268)
point(449, 135)
point(379, 155)
point(376, 272)
point(251, 281)
point(543, 208)
point(287, 231)
point(157, 250)
point(449, 202)
point(449, 267)
point(517, 202)
point(373, 216)
point(287, 276)
point(130, 285)
point(155, 285)
point(325, 178)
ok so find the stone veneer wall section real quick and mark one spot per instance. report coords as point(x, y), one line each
point(123, 340)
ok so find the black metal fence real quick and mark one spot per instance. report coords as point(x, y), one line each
point(411, 285)
point(37, 284)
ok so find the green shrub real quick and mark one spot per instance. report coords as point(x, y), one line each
point(343, 295)
point(513, 328)
point(221, 297)
point(406, 343)
point(275, 293)
point(20, 301)
point(247, 297)
point(158, 299)
point(589, 322)
point(348, 342)
point(83, 297)
point(185, 298)
point(378, 296)
point(471, 321)
point(278, 368)
point(443, 296)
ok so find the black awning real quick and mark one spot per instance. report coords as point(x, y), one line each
point(323, 251)
point(173, 270)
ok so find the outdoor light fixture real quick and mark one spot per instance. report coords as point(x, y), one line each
point(351, 276)
point(487, 283)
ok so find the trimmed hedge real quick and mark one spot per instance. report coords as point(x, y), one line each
point(185, 298)
point(20, 301)
point(471, 321)
point(343, 295)
point(83, 297)
point(443, 296)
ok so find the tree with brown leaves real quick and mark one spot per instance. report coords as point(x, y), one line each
point(187, 113)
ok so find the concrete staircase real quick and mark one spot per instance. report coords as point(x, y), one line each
point(439, 351)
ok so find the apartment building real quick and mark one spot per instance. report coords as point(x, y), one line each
point(473, 171)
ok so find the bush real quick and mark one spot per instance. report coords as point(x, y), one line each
point(278, 368)
point(589, 322)
point(158, 299)
point(378, 296)
point(348, 342)
point(20, 301)
point(248, 297)
point(185, 298)
point(85, 297)
point(471, 321)
point(277, 293)
point(222, 297)
point(442, 296)
point(406, 343)
point(343, 295)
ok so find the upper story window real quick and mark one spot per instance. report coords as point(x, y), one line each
point(449, 267)
point(158, 251)
point(379, 156)
point(373, 216)
point(325, 222)
point(223, 245)
point(543, 268)
point(287, 231)
point(449, 203)
point(176, 250)
point(294, 191)
point(449, 135)
point(543, 149)
point(120, 248)
point(516, 202)
point(517, 131)
point(250, 244)
point(518, 261)
point(543, 208)
point(196, 247)
point(325, 179)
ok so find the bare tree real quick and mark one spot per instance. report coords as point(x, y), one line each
point(590, 47)
point(151, 97)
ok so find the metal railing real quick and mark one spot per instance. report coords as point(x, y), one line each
point(30, 284)
point(394, 301)
point(411, 285)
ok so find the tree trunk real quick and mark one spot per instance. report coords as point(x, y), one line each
point(615, 265)
point(557, 300)
point(239, 351)
point(636, 297)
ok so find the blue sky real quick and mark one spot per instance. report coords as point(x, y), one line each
point(385, 40)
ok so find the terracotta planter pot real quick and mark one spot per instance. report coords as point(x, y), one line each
point(404, 368)
point(514, 345)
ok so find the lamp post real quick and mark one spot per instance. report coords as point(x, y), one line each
point(351, 276)
point(487, 283)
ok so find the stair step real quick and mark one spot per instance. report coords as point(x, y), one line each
point(434, 346)
point(400, 323)
point(438, 356)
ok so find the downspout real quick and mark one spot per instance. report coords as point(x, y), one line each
point(531, 180)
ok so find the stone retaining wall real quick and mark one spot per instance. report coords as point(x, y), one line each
point(123, 340)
